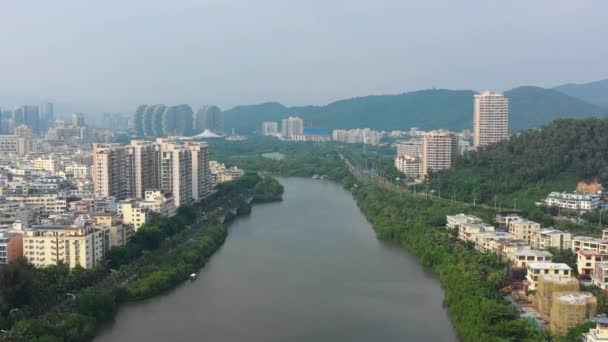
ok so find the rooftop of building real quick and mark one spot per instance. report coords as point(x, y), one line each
point(551, 231)
point(533, 252)
point(588, 239)
point(549, 265)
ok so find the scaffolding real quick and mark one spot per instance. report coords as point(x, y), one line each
point(548, 285)
point(569, 309)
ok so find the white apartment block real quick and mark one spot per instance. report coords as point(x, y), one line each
point(551, 238)
point(291, 127)
point(590, 244)
point(78, 171)
point(201, 177)
point(270, 128)
point(110, 171)
point(457, 221)
point(537, 269)
point(524, 229)
point(412, 148)
point(158, 202)
point(439, 150)
point(522, 257)
point(14, 145)
point(357, 136)
point(491, 241)
point(78, 245)
point(491, 119)
point(176, 172)
point(573, 201)
point(145, 161)
point(469, 232)
point(408, 165)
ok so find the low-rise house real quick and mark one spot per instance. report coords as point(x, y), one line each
point(586, 261)
point(536, 269)
point(573, 201)
point(524, 229)
point(469, 232)
point(457, 221)
point(522, 257)
point(491, 241)
point(591, 244)
point(599, 333)
point(551, 238)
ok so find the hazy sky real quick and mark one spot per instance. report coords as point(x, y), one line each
point(228, 52)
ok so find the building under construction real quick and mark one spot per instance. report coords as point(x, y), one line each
point(559, 300)
point(548, 285)
point(569, 309)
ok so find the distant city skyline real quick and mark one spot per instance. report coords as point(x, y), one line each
point(114, 55)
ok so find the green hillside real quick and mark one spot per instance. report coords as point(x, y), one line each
point(535, 106)
point(531, 164)
point(592, 92)
point(426, 109)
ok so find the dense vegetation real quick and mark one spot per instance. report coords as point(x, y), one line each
point(531, 164)
point(470, 279)
point(298, 159)
point(426, 109)
point(162, 253)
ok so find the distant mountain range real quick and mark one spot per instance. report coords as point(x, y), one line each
point(425, 109)
point(592, 92)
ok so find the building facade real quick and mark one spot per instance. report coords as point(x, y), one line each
point(439, 150)
point(491, 119)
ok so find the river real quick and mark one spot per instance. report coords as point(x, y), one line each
point(305, 269)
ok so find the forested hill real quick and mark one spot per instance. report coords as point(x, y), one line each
point(532, 163)
point(426, 109)
point(592, 92)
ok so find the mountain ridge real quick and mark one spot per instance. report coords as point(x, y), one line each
point(426, 109)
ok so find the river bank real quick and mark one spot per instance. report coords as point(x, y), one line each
point(160, 256)
point(308, 268)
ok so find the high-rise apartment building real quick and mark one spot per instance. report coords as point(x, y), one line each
point(412, 148)
point(145, 159)
point(211, 118)
point(270, 128)
point(439, 149)
point(124, 171)
point(291, 127)
point(111, 171)
point(176, 171)
point(201, 177)
point(491, 119)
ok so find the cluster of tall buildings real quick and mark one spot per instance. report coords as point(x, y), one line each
point(437, 150)
point(163, 121)
point(38, 118)
point(128, 171)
